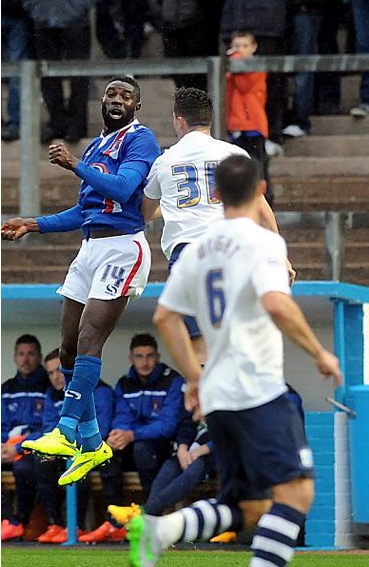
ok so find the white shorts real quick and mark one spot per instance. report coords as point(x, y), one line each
point(108, 268)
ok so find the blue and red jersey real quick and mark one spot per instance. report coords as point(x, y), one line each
point(113, 170)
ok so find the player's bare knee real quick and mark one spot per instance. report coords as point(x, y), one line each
point(298, 493)
point(67, 357)
point(253, 510)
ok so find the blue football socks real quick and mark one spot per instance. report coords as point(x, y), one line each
point(79, 395)
point(68, 375)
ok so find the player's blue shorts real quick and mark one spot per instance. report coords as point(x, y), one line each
point(258, 448)
point(190, 322)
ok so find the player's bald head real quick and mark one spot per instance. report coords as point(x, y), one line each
point(236, 179)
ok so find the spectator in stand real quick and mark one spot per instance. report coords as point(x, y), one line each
point(246, 96)
point(327, 93)
point(48, 472)
point(190, 29)
point(22, 406)
point(120, 27)
point(62, 32)
point(149, 403)
point(107, 34)
point(267, 20)
point(16, 42)
point(129, 19)
point(304, 19)
point(360, 10)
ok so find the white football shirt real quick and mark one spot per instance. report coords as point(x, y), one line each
point(220, 279)
point(183, 179)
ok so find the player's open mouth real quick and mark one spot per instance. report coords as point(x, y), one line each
point(116, 113)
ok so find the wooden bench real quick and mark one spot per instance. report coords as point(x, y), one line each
point(130, 483)
point(96, 512)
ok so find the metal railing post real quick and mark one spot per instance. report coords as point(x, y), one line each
point(334, 241)
point(29, 187)
point(72, 497)
point(216, 88)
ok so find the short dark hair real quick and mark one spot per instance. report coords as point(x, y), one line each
point(143, 339)
point(127, 79)
point(194, 105)
point(29, 340)
point(236, 178)
point(52, 355)
point(244, 33)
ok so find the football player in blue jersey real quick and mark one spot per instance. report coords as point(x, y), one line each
point(111, 268)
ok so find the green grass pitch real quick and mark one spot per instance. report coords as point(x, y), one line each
point(27, 556)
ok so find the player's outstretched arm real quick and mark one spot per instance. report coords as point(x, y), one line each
point(14, 229)
point(291, 321)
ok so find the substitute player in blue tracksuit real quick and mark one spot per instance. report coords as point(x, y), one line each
point(111, 267)
point(22, 407)
point(149, 402)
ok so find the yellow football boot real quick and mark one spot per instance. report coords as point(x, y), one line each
point(124, 514)
point(225, 537)
point(82, 463)
point(53, 444)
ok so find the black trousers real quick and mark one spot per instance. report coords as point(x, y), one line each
point(25, 484)
point(255, 147)
point(277, 97)
point(57, 44)
point(52, 496)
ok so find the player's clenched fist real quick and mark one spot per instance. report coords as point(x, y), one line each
point(60, 155)
point(14, 229)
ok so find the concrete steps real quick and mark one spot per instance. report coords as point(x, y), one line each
point(293, 193)
point(302, 167)
point(44, 259)
point(326, 171)
point(323, 146)
point(320, 193)
point(343, 125)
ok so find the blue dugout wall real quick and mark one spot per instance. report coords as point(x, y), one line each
point(351, 346)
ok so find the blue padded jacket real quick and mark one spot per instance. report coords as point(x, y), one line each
point(150, 410)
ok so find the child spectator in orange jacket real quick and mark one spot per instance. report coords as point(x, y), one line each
point(246, 96)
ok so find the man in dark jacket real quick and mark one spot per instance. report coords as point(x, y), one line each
point(22, 405)
point(62, 32)
point(148, 404)
point(17, 45)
